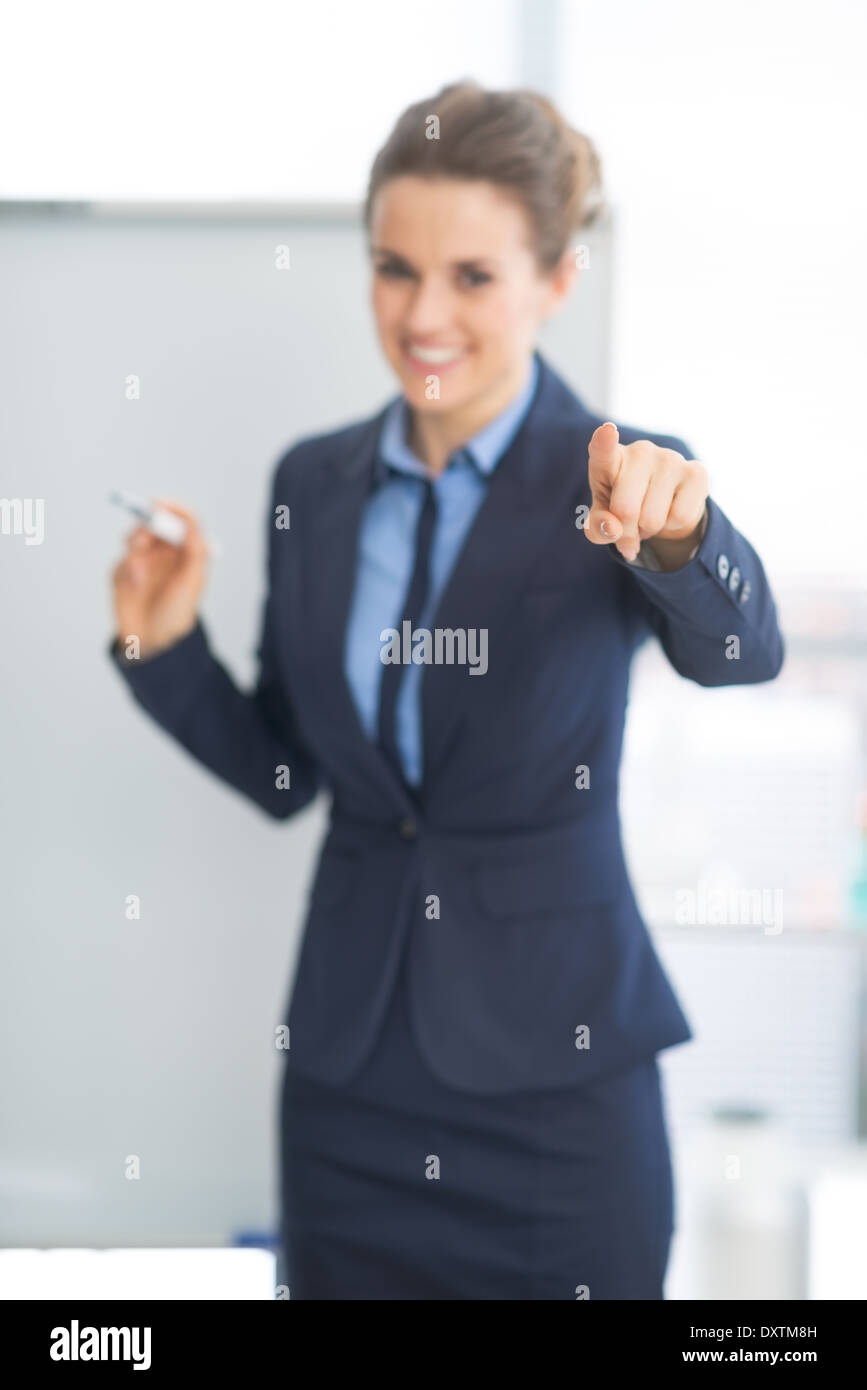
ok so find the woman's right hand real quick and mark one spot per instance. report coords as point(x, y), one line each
point(157, 586)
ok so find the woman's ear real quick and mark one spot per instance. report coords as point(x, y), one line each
point(560, 281)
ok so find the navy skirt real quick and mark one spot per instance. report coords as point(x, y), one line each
point(397, 1186)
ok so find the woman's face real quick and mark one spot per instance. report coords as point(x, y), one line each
point(457, 292)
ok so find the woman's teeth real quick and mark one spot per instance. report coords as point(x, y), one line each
point(436, 357)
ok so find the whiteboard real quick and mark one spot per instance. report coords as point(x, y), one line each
point(154, 1038)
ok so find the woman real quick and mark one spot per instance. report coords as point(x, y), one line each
point(471, 1105)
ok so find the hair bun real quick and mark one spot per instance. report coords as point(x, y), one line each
point(588, 198)
point(517, 140)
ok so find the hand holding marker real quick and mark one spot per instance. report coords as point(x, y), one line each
point(163, 523)
point(158, 583)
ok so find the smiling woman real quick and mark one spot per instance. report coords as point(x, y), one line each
point(469, 223)
point(471, 1106)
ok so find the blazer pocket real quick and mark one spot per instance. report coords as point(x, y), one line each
point(334, 881)
point(553, 887)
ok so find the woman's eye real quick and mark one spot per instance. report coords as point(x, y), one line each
point(389, 270)
point(473, 278)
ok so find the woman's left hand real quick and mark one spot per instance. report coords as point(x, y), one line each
point(643, 493)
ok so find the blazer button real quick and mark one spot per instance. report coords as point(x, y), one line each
point(407, 829)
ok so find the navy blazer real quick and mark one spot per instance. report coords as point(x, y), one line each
point(529, 963)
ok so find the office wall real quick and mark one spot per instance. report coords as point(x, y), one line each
point(154, 1037)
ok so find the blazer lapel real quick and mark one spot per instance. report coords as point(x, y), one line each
point(342, 489)
point(533, 490)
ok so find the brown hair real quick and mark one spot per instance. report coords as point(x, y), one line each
point(515, 139)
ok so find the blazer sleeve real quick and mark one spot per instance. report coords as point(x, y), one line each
point(245, 738)
point(715, 617)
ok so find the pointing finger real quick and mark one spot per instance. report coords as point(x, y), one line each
point(604, 458)
point(604, 453)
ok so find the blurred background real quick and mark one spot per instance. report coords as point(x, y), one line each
point(184, 291)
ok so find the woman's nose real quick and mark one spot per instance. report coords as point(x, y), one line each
point(430, 309)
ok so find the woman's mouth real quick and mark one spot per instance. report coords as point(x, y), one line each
point(433, 361)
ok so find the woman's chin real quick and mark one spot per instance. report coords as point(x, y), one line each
point(432, 386)
point(432, 395)
point(447, 401)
